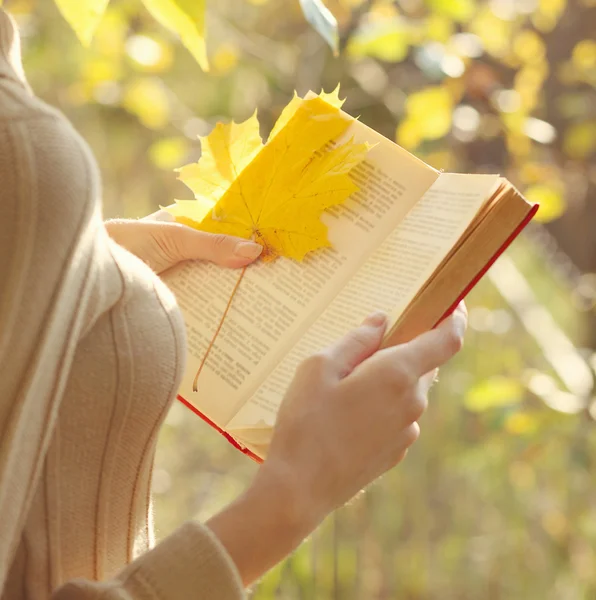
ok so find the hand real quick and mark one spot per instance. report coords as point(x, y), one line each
point(351, 412)
point(349, 415)
point(164, 244)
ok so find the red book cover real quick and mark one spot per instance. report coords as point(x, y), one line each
point(463, 294)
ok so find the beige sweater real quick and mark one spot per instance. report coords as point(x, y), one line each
point(91, 353)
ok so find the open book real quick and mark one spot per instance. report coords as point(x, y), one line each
point(411, 242)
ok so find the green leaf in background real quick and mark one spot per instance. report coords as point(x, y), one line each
point(493, 393)
point(320, 17)
point(83, 16)
point(552, 203)
point(187, 19)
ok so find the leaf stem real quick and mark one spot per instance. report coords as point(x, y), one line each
point(221, 322)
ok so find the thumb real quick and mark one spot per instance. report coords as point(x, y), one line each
point(360, 343)
point(187, 243)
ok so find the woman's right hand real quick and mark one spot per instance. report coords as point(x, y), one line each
point(351, 412)
point(349, 415)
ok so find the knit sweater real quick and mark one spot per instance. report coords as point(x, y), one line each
point(91, 353)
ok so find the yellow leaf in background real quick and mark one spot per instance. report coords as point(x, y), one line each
point(580, 140)
point(550, 198)
point(187, 19)
point(533, 172)
point(548, 14)
point(386, 40)
point(493, 393)
point(528, 46)
point(460, 10)
point(431, 109)
point(408, 134)
point(522, 423)
point(111, 35)
point(584, 55)
point(83, 16)
point(97, 70)
point(439, 27)
point(147, 99)
point(167, 153)
point(225, 58)
point(274, 193)
point(495, 33)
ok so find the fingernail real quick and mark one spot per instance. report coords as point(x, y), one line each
point(248, 249)
point(376, 319)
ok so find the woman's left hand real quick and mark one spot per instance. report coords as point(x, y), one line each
point(163, 244)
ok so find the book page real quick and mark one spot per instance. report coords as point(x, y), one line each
point(276, 302)
point(387, 281)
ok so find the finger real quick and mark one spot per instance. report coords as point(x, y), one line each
point(360, 343)
point(462, 308)
point(434, 348)
point(406, 439)
point(410, 435)
point(223, 250)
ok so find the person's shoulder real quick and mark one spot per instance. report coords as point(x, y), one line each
point(38, 141)
point(17, 101)
point(47, 169)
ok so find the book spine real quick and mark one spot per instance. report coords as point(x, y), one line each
point(533, 210)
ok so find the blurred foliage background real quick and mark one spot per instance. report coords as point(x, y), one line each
point(497, 498)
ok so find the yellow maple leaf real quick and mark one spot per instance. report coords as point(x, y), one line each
point(274, 193)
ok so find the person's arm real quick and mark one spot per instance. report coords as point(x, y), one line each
point(266, 523)
point(350, 415)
